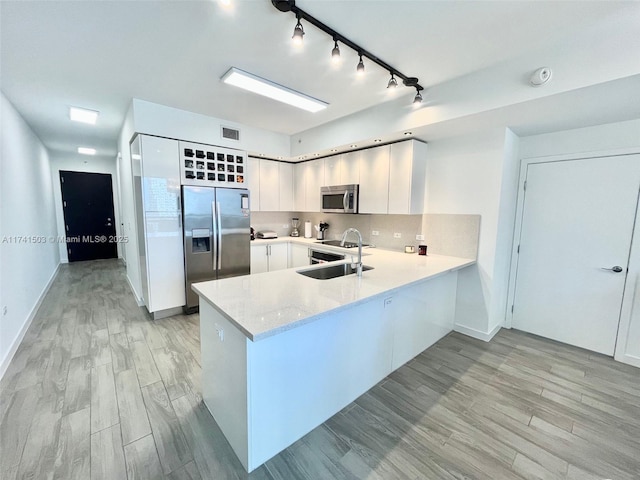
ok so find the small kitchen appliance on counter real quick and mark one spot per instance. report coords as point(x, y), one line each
point(320, 229)
point(267, 234)
point(295, 223)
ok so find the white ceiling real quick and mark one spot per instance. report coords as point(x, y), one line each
point(101, 54)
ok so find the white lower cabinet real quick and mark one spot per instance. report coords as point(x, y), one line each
point(298, 255)
point(269, 258)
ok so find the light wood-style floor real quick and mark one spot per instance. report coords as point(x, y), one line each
point(97, 390)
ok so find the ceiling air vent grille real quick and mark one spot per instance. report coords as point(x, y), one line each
point(230, 133)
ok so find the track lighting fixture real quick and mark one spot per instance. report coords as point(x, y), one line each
point(393, 83)
point(360, 67)
point(298, 32)
point(335, 53)
point(417, 100)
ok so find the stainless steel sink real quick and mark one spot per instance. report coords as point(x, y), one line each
point(332, 271)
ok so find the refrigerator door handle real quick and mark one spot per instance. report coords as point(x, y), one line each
point(219, 228)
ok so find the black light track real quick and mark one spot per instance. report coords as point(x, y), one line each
point(290, 6)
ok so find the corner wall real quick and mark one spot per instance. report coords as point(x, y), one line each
point(473, 174)
point(26, 210)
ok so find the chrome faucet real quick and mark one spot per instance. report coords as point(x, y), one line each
point(344, 237)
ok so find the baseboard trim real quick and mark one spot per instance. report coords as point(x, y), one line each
point(472, 332)
point(23, 331)
point(139, 300)
point(630, 360)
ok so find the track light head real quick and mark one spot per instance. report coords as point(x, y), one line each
point(335, 53)
point(298, 33)
point(393, 83)
point(284, 5)
point(417, 100)
point(360, 67)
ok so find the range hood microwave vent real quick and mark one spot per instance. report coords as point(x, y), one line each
point(230, 133)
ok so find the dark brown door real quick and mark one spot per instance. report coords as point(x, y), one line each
point(87, 202)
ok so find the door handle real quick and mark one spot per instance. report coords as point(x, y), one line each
point(616, 269)
point(345, 201)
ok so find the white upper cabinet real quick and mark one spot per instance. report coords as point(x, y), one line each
point(254, 183)
point(374, 180)
point(299, 190)
point(350, 168)
point(269, 186)
point(286, 187)
point(332, 170)
point(407, 176)
point(309, 177)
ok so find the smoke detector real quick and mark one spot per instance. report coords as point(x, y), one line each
point(540, 77)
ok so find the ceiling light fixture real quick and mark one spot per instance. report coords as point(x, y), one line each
point(417, 100)
point(353, 145)
point(393, 83)
point(83, 115)
point(360, 67)
point(267, 88)
point(335, 53)
point(298, 32)
point(290, 6)
point(86, 151)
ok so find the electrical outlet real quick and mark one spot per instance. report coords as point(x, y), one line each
point(419, 237)
point(375, 233)
point(397, 235)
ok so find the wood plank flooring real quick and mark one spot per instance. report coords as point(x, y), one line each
point(97, 390)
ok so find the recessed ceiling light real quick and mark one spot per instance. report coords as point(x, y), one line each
point(279, 158)
point(83, 115)
point(353, 146)
point(316, 154)
point(334, 149)
point(267, 88)
point(408, 133)
point(377, 140)
point(86, 151)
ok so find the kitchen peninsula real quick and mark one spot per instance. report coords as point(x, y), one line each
point(282, 352)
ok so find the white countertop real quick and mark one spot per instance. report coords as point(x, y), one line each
point(265, 304)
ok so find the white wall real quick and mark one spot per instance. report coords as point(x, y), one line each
point(465, 176)
point(26, 209)
point(80, 163)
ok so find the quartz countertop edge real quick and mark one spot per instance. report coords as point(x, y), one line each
point(265, 304)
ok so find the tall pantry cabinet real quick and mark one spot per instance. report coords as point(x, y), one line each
point(156, 183)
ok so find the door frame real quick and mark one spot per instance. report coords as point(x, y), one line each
point(627, 298)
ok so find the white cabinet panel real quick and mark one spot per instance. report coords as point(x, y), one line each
point(299, 198)
point(278, 254)
point(259, 262)
point(332, 170)
point(350, 168)
point(269, 186)
point(269, 258)
point(298, 255)
point(314, 179)
point(407, 170)
point(374, 180)
point(156, 173)
point(254, 183)
point(286, 187)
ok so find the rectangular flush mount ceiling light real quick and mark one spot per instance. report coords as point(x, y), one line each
point(86, 151)
point(261, 86)
point(83, 115)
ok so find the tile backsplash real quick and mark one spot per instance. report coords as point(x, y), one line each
point(445, 234)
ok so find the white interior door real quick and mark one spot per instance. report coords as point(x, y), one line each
point(577, 225)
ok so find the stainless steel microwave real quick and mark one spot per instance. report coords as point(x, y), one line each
point(339, 198)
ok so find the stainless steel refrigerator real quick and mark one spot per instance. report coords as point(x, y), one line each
point(216, 235)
